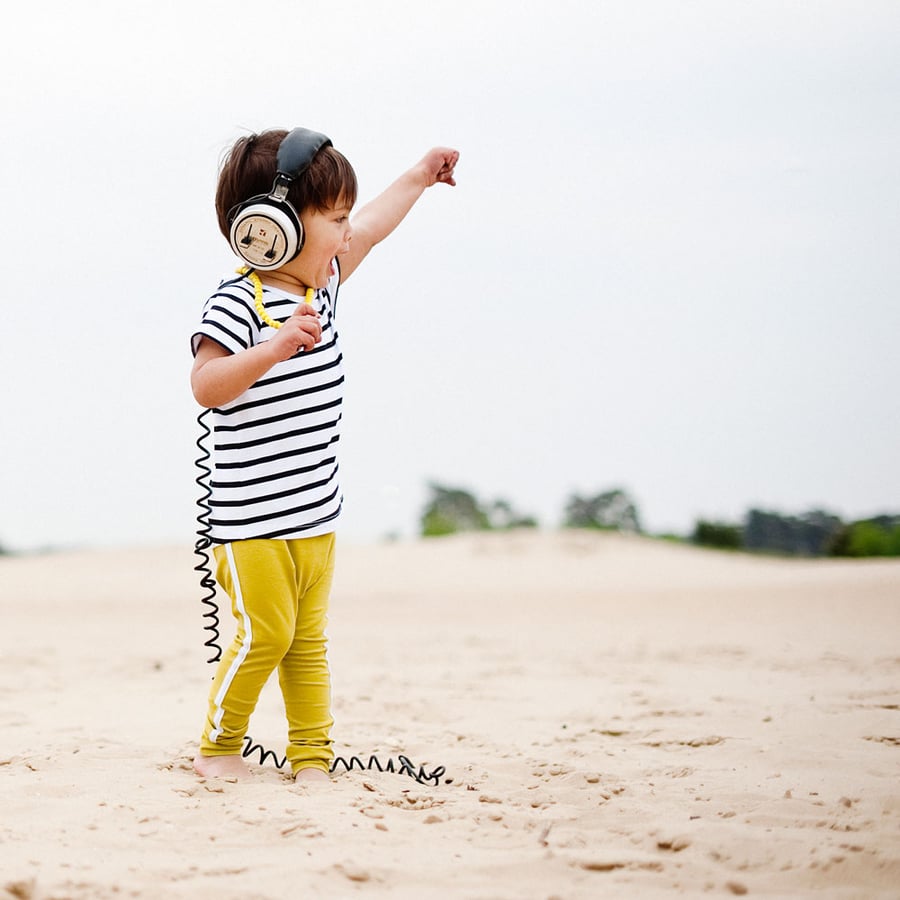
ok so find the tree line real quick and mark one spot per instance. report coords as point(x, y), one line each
point(815, 533)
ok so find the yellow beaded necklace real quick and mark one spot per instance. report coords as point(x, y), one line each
point(258, 296)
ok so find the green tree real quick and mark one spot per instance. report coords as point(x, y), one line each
point(452, 509)
point(449, 510)
point(612, 510)
point(868, 537)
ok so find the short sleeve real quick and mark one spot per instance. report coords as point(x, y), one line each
point(228, 319)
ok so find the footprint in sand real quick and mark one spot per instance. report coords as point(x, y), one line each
point(353, 872)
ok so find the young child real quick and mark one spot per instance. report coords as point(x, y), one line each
point(267, 362)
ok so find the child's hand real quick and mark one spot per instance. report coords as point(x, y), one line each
point(302, 331)
point(438, 164)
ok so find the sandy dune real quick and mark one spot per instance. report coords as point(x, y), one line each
point(616, 717)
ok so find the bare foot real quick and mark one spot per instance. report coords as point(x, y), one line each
point(312, 776)
point(229, 766)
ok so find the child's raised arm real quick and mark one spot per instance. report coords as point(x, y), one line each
point(378, 218)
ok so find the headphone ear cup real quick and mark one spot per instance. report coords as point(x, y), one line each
point(266, 233)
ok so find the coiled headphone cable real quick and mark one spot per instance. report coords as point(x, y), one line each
point(201, 547)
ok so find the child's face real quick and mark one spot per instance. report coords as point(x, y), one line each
point(327, 234)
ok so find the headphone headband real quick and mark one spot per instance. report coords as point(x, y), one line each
point(298, 150)
point(266, 231)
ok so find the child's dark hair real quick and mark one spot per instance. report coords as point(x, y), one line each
point(249, 170)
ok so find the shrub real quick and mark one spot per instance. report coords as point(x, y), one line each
point(717, 534)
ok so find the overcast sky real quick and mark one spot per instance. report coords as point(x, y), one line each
point(671, 262)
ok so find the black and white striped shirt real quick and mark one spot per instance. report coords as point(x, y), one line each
point(274, 456)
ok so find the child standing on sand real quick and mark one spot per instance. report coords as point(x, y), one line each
point(267, 362)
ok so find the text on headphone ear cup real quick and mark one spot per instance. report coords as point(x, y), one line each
point(266, 233)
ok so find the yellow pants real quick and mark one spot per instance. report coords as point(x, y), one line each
point(279, 593)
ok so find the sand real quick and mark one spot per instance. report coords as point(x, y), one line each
point(615, 717)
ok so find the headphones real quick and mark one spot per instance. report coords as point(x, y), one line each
point(265, 230)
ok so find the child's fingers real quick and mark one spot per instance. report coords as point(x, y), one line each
point(298, 333)
point(306, 327)
point(447, 170)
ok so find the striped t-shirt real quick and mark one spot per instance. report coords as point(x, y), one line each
point(274, 455)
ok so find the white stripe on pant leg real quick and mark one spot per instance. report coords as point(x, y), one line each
point(241, 654)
